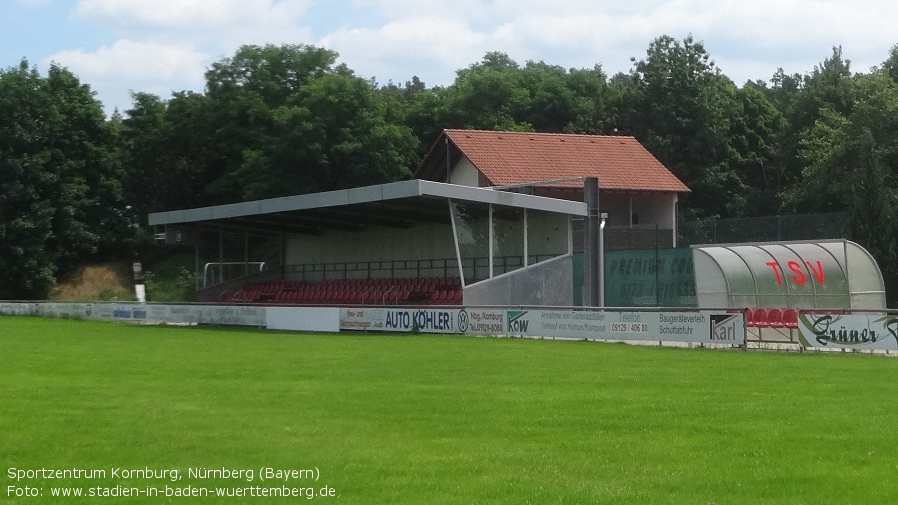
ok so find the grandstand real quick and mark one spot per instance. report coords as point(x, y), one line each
point(410, 242)
point(491, 218)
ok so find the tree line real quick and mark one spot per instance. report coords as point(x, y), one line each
point(281, 120)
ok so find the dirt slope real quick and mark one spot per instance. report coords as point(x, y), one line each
point(107, 281)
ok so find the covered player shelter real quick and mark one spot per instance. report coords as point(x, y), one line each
point(505, 248)
point(826, 274)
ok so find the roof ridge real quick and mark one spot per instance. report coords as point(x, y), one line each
point(541, 134)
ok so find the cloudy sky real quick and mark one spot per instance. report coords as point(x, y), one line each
point(160, 46)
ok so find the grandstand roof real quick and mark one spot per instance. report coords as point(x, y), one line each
point(507, 158)
point(395, 204)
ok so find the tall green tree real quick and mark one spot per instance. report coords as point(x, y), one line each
point(498, 94)
point(331, 134)
point(803, 100)
point(596, 102)
point(890, 66)
point(288, 120)
point(851, 164)
point(415, 106)
point(60, 198)
point(755, 153)
point(488, 95)
point(167, 151)
point(681, 108)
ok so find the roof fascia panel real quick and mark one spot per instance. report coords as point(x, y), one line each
point(368, 194)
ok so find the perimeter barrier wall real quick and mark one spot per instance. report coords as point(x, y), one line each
point(815, 329)
point(706, 326)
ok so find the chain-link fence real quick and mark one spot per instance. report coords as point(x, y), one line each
point(763, 229)
point(643, 270)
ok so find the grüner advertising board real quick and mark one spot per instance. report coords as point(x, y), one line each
point(836, 331)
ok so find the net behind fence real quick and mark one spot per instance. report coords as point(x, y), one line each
point(642, 270)
point(763, 229)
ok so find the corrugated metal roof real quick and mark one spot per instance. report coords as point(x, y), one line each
point(386, 204)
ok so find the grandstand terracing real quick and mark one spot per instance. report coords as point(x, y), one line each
point(405, 291)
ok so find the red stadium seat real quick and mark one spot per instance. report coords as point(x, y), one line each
point(790, 318)
point(775, 318)
point(758, 318)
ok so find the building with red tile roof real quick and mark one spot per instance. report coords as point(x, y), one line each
point(636, 190)
point(506, 158)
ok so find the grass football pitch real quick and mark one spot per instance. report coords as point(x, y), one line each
point(364, 419)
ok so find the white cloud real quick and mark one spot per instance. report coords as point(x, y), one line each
point(171, 41)
point(114, 71)
point(434, 46)
point(222, 24)
point(142, 61)
point(166, 45)
point(175, 13)
point(428, 47)
point(749, 39)
point(417, 9)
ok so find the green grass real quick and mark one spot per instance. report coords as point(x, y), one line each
point(454, 420)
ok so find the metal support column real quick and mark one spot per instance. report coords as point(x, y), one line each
point(591, 247)
point(603, 216)
point(491, 238)
point(220, 255)
point(461, 269)
point(526, 242)
point(246, 252)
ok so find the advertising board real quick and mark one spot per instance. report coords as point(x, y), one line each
point(698, 327)
point(424, 320)
point(840, 331)
point(137, 312)
point(673, 326)
point(303, 319)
